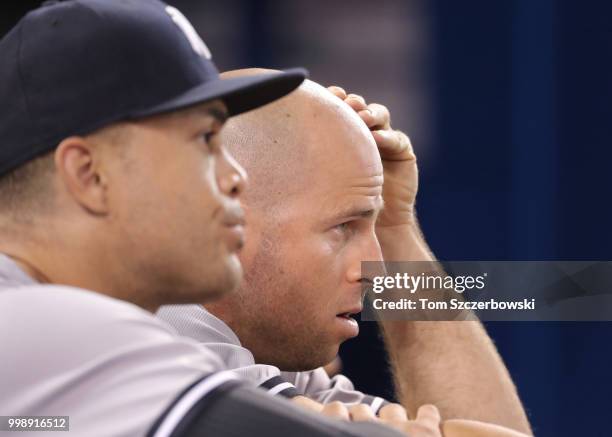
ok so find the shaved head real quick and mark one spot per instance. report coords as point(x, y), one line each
point(279, 145)
point(315, 189)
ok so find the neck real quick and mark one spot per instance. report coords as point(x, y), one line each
point(89, 270)
point(29, 268)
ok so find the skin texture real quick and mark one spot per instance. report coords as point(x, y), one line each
point(313, 157)
point(131, 204)
point(311, 212)
point(471, 428)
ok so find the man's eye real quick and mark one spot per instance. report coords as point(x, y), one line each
point(342, 227)
point(211, 141)
point(208, 137)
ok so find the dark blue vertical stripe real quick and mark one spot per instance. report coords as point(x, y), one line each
point(534, 148)
point(532, 204)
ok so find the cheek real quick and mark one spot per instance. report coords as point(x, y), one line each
point(185, 169)
point(316, 270)
point(175, 218)
point(190, 193)
point(306, 258)
point(325, 255)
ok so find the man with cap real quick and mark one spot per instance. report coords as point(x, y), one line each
point(116, 196)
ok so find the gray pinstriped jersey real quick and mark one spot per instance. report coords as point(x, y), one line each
point(195, 322)
point(72, 352)
point(116, 370)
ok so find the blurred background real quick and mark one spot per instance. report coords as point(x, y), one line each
point(508, 106)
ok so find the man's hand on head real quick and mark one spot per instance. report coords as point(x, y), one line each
point(398, 158)
point(470, 368)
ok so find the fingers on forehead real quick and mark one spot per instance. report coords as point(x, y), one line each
point(368, 118)
point(337, 91)
point(379, 110)
point(386, 139)
point(356, 102)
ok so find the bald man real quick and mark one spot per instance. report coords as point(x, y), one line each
point(315, 211)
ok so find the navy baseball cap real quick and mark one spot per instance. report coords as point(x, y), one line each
point(71, 67)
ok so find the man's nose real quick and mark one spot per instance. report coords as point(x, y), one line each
point(232, 177)
point(370, 251)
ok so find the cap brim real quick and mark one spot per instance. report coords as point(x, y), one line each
point(240, 94)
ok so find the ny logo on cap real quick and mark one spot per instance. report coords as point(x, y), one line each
point(194, 39)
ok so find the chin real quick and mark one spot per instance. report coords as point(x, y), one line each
point(234, 273)
point(213, 295)
point(303, 362)
point(217, 286)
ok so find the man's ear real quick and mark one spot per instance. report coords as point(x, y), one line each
point(77, 164)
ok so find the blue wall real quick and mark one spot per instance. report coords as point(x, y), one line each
point(538, 139)
point(522, 171)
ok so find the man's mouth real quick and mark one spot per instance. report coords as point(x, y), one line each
point(347, 324)
point(234, 217)
point(233, 222)
point(350, 312)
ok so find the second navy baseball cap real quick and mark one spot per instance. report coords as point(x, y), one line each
point(71, 67)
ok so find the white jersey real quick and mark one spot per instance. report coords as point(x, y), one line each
point(196, 322)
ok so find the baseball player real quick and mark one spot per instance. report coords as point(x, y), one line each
point(315, 210)
point(116, 197)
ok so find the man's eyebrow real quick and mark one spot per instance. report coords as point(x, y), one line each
point(360, 212)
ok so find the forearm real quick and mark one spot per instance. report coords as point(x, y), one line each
point(453, 365)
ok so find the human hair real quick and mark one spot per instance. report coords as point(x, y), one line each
point(27, 190)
